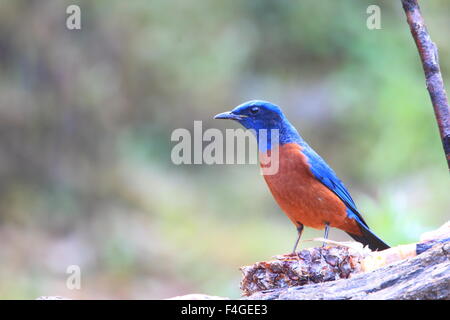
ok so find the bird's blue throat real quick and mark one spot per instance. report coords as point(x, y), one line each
point(277, 134)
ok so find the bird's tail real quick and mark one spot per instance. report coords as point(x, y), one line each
point(368, 238)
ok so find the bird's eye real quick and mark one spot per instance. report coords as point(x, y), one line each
point(254, 110)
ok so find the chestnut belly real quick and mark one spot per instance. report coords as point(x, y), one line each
point(303, 198)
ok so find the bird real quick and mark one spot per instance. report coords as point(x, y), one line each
point(305, 187)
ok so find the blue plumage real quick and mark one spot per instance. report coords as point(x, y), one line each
point(257, 115)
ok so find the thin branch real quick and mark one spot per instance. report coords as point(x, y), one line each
point(430, 62)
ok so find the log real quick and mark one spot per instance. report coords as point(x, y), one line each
point(415, 271)
point(426, 276)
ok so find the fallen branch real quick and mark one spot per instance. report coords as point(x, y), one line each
point(429, 56)
point(426, 276)
point(346, 271)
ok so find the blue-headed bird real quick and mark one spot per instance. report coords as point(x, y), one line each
point(304, 186)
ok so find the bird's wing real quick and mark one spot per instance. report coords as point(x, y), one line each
point(326, 176)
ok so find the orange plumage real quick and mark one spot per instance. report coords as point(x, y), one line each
point(303, 198)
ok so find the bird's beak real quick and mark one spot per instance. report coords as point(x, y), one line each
point(229, 116)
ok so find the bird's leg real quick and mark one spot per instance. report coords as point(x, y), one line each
point(299, 231)
point(327, 229)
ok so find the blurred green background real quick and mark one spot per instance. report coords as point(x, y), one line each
point(86, 117)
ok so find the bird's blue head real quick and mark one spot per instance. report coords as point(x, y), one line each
point(257, 115)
